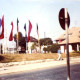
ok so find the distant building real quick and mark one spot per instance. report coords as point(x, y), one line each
point(74, 40)
point(31, 42)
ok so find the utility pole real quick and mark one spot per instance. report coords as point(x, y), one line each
point(44, 34)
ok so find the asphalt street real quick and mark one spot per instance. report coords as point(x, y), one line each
point(52, 73)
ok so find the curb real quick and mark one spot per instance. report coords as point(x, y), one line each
point(24, 62)
point(31, 62)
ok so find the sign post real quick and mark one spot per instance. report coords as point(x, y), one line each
point(67, 47)
point(64, 20)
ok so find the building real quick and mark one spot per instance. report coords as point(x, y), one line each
point(74, 40)
point(30, 43)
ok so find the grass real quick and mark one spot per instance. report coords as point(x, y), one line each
point(4, 58)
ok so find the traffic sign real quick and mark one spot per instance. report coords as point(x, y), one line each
point(62, 18)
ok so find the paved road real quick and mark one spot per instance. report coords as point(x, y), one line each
point(58, 73)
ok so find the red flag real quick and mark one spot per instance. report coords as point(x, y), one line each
point(11, 34)
point(30, 27)
point(2, 23)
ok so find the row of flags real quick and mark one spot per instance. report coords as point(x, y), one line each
point(11, 34)
point(29, 31)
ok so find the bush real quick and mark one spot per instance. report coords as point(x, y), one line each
point(45, 49)
point(53, 48)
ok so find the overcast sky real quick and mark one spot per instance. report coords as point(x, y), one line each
point(43, 12)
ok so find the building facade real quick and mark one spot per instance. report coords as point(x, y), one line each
point(74, 40)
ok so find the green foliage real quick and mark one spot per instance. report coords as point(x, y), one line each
point(45, 49)
point(49, 48)
point(53, 48)
point(33, 46)
point(46, 41)
point(20, 37)
point(21, 40)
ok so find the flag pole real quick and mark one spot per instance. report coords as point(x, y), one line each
point(26, 47)
point(12, 37)
point(0, 49)
point(17, 35)
point(30, 28)
point(2, 34)
point(13, 44)
point(0, 40)
point(6, 42)
point(17, 44)
point(38, 39)
point(39, 44)
point(25, 36)
point(13, 41)
point(26, 40)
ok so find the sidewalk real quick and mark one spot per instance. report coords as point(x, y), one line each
point(31, 65)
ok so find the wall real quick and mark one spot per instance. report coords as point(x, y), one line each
point(64, 50)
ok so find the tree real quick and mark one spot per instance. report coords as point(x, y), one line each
point(49, 48)
point(34, 46)
point(21, 41)
point(53, 48)
point(46, 41)
point(20, 37)
point(45, 49)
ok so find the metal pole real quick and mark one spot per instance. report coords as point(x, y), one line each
point(67, 47)
point(26, 40)
point(39, 45)
point(26, 47)
point(17, 46)
point(0, 48)
point(6, 42)
point(13, 45)
point(44, 34)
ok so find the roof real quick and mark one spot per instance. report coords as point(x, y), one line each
point(74, 36)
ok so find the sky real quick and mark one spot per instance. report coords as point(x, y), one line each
point(42, 12)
